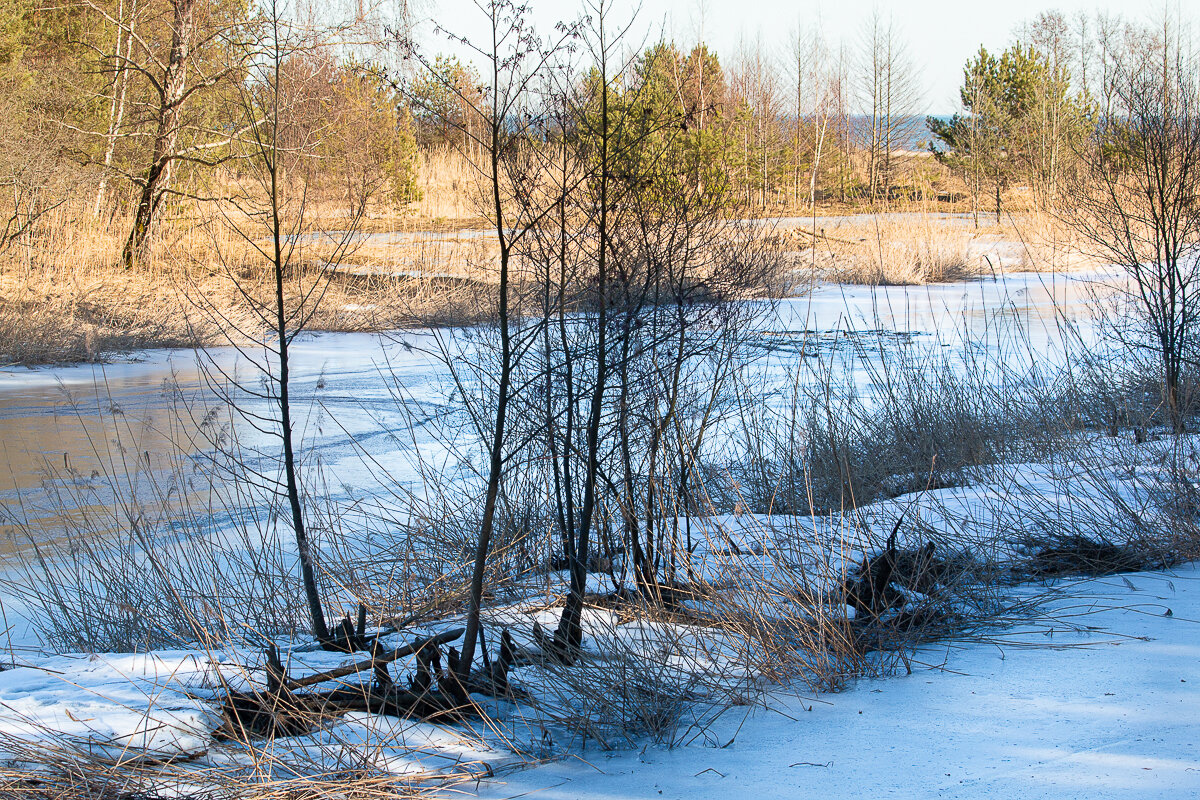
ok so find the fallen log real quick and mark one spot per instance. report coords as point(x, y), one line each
point(415, 646)
point(255, 714)
point(432, 694)
point(492, 680)
point(282, 711)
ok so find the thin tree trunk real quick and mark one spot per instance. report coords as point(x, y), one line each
point(116, 114)
point(171, 95)
point(569, 634)
point(269, 150)
point(496, 449)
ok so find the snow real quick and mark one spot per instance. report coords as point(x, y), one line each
point(1098, 699)
point(116, 705)
point(345, 385)
point(1092, 692)
point(1095, 697)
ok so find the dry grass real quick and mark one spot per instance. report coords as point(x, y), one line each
point(1049, 245)
point(82, 776)
point(782, 601)
point(891, 250)
point(913, 248)
point(337, 765)
point(448, 186)
point(64, 297)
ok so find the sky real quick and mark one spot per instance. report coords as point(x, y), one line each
point(941, 34)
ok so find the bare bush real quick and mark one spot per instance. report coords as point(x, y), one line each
point(1132, 196)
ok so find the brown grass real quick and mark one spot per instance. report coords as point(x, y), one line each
point(448, 187)
point(913, 248)
point(64, 297)
point(922, 251)
point(1049, 245)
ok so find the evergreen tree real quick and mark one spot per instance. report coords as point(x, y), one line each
point(992, 143)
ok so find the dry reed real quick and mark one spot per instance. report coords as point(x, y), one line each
point(913, 248)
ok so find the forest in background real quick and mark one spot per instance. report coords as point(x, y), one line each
point(130, 128)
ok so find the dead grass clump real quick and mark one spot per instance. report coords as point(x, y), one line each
point(1064, 554)
point(363, 299)
point(904, 596)
point(932, 421)
point(1049, 245)
point(61, 768)
point(919, 248)
point(449, 184)
point(58, 324)
point(796, 606)
point(641, 676)
point(62, 297)
point(904, 251)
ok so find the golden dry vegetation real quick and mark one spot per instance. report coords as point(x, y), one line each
point(65, 296)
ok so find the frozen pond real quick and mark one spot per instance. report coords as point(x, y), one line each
point(141, 417)
point(133, 416)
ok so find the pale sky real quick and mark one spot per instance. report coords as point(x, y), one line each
point(941, 34)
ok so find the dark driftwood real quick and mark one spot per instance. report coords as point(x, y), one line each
point(374, 661)
point(250, 714)
point(432, 694)
point(282, 711)
point(553, 648)
point(492, 680)
point(868, 589)
point(346, 636)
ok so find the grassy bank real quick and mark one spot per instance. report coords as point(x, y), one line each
point(919, 247)
point(65, 297)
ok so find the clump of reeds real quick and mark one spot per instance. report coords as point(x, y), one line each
point(914, 249)
point(66, 296)
point(449, 185)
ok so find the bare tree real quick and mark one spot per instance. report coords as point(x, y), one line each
point(496, 123)
point(890, 95)
point(602, 135)
point(1056, 116)
point(176, 78)
point(279, 282)
point(660, 268)
point(818, 91)
point(165, 66)
point(757, 103)
point(125, 31)
point(1135, 195)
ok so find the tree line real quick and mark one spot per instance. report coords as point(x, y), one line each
point(125, 108)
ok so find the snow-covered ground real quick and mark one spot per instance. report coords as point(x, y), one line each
point(1091, 691)
point(1098, 699)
